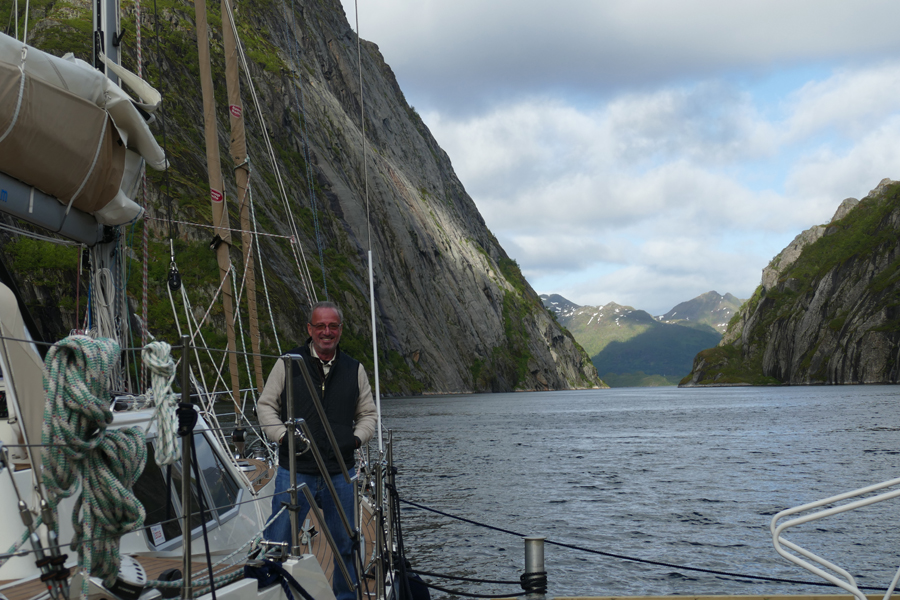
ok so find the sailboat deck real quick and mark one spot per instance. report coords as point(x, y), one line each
point(152, 565)
point(727, 597)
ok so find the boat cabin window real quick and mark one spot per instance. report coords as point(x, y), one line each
point(223, 489)
point(162, 498)
point(161, 520)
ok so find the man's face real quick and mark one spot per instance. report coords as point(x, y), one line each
point(325, 331)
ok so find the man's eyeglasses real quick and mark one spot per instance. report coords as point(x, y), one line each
point(320, 327)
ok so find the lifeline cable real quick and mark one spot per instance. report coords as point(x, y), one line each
point(632, 558)
point(404, 567)
point(471, 595)
point(456, 578)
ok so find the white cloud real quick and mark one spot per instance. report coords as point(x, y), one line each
point(850, 102)
point(458, 54)
point(828, 175)
point(647, 151)
point(543, 165)
point(520, 144)
point(711, 122)
point(545, 253)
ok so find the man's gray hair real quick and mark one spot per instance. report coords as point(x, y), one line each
point(325, 304)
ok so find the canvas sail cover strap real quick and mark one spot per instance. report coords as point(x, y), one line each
point(73, 134)
point(19, 99)
point(91, 170)
point(151, 98)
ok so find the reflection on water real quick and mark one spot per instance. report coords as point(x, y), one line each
point(688, 477)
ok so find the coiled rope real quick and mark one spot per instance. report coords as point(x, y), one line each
point(157, 356)
point(81, 450)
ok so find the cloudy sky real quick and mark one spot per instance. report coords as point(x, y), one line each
point(648, 151)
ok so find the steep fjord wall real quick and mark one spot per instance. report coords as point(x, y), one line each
point(454, 313)
point(828, 309)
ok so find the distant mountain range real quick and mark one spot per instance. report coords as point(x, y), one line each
point(706, 309)
point(630, 347)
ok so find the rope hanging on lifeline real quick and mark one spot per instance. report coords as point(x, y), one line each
point(158, 358)
point(81, 451)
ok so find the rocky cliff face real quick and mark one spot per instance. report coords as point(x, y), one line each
point(453, 310)
point(828, 308)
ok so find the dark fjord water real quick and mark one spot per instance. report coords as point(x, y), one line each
point(688, 477)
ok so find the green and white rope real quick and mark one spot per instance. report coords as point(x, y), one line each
point(14, 549)
point(157, 356)
point(81, 451)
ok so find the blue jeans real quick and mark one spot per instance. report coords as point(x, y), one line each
point(279, 530)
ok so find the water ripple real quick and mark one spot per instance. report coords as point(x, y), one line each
point(685, 477)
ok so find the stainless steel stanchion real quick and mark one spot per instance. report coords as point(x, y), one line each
point(379, 528)
point(292, 451)
point(535, 578)
point(357, 538)
point(187, 591)
point(389, 481)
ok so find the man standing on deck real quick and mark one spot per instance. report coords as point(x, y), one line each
point(346, 395)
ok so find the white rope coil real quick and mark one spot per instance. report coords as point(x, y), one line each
point(157, 357)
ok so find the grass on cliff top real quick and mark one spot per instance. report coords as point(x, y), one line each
point(861, 232)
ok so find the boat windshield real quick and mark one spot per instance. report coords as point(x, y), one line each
point(160, 494)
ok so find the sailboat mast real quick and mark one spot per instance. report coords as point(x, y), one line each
point(217, 192)
point(106, 33)
point(241, 176)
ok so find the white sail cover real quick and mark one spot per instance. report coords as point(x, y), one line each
point(69, 131)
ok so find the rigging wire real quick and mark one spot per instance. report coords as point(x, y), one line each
point(304, 136)
point(305, 277)
point(232, 229)
point(262, 270)
point(160, 114)
point(12, 11)
point(138, 349)
point(123, 312)
point(362, 123)
point(37, 236)
point(145, 231)
point(25, 34)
